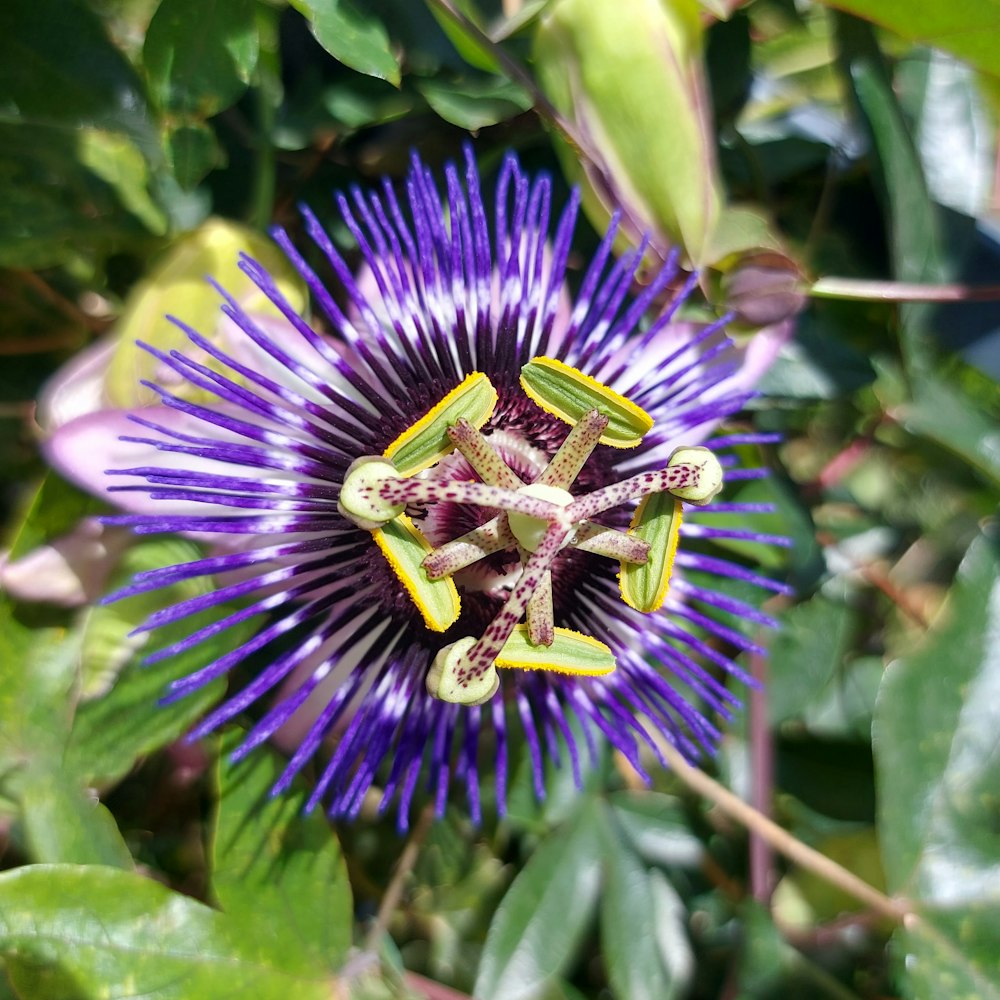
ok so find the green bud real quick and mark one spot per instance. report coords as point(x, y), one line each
point(628, 75)
point(177, 285)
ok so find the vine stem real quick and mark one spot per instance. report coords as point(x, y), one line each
point(900, 291)
point(781, 840)
point(394, 891)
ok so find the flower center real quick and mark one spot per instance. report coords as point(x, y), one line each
point(535, 521)
point(528, 530)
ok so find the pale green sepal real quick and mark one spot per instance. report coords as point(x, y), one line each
point(177, 286)
point(405, 548)
point(426, 441)
point(569, 394)
point(570, 653)
point(657, 520)
point(628, 75)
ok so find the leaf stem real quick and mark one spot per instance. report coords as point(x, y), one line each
point(268, 97)
point(781, 840)
point(394, 891)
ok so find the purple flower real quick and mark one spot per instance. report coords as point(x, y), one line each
point(458, 331)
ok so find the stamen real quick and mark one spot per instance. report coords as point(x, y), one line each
point(574, 451)
point(481, 455)
point(541, 616)
point(609, 542)
point(569, 394)
point(481, 656)
point(421, 491)
point(448, 559)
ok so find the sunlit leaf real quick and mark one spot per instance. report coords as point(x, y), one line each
point(70, 931)
point(545, 912)
point(275, 870)
point(199, 54)
point(939, 770)
point(352, 34)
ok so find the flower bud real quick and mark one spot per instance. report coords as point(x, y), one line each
point(177, 286)
point(763, 288)
point(628, 75)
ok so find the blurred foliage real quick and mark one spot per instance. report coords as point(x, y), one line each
point(858, 142)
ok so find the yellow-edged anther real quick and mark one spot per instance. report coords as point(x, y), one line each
point(529, 530)
point(359, 500)
point(570, 653)
point(709, 474)
point(426, 441)
point(657, 520)
point(568, 394)
point(405, 548)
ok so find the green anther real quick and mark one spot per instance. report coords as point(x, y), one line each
point(709, 475)
point(657, 521)
point(359, 500)
point(529, 530)
point(570, 653)
point(448, 681)
point(405, 549)
point(426, 441)
point(570, 394)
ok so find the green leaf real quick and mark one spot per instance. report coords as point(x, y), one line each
point(467, 45)
point(655, 827)
point(968, 28)
point(37, 691)
point(199, 54)
point(352, 35)
point(643, 930)
point(68, 932)
point(947, 416)
point(193, 151)
point(53, 209)
point(475, 104)
point(54, 509)
point(61, 820)
point(938, 767)
point(276, 870)
point(63, 823)
point(914, 228)
point(545, 913)
point(112, 731)
point(118, 162)
point(806, 654)
point(57, 67)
